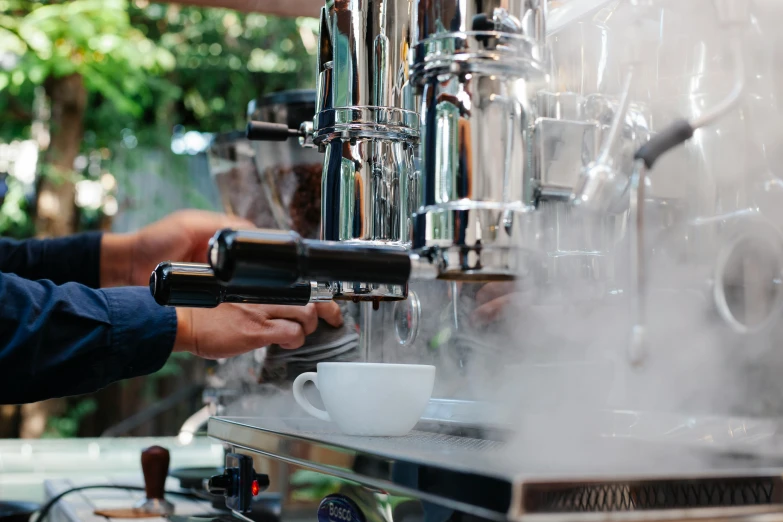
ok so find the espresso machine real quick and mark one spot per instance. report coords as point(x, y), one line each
point(563, 150)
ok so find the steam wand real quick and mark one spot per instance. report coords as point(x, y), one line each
point(676, 134)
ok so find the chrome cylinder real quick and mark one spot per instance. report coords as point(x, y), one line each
point(474, 155)
point(437, 18)
point(370, 41)
point(477, 66)
point(367, 127)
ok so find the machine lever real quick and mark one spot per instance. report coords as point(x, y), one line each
point(194, 285)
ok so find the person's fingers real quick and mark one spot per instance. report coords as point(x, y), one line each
point(202, 226)
point(205, 220)
point(304, 315)
point(310, 323)
point(227, 221)
point(492, 311)
point(491, 291)
point(285, 333)
point(330, 312)
point(201, 331)
point(183, 340)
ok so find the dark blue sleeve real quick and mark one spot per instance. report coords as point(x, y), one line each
point(69, 339)
point(61, 260)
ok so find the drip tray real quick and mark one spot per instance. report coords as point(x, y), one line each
point(483, 477)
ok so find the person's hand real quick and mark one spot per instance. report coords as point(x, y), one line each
point(493, 301)
point(233, 329)
point(225, 331)
point(129, 259)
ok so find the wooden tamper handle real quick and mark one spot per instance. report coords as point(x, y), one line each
point(155, 466)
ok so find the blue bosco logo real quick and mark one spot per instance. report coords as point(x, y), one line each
point(336, 508)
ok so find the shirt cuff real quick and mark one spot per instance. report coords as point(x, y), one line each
point(143, 332)
point(74, 258)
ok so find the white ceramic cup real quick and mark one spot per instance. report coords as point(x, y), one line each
point(370, 399)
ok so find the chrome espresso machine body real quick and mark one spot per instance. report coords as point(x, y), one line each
point(523, 143)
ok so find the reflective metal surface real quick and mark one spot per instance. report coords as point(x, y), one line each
point(367, 126)
point(493, 151)
point(362, 192)
point(474, 200)
point(522, 17)
point(747, 283)
point(464, 473)
point(369, 44)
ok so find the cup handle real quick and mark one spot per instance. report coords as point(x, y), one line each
point(300, 398)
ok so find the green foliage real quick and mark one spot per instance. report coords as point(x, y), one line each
point(149, 67)
point(15, 220)
point(92, 38)
point(67, 425)
point(173, 366)
point(224, 59)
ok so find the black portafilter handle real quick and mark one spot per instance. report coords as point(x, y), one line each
point(265, 131)
point(194, 285)
point(274, 257)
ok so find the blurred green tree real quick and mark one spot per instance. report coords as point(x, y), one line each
point(224, 59)
point(74, 48)
point(113, 69)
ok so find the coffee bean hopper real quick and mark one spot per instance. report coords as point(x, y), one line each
point(465, 143)
point(274, 185)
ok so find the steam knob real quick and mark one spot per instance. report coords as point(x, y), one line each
point(155, 466)
point(306, 135)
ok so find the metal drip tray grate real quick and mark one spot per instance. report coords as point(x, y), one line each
point(707, 493)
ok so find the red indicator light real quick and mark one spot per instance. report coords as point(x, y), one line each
point(254, 488)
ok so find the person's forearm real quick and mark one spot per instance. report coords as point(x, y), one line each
point(60, 260)
point(94, 259)
point(70, 339)
point(116, 260)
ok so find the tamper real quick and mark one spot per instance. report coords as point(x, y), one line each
point(155, 466)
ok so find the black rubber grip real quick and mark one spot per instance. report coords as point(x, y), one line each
point(256, 257)
point(675, 134)
point(194, 285)
point(185, 284)
point(277, 258)
point(334, 261)
point(265, 131)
